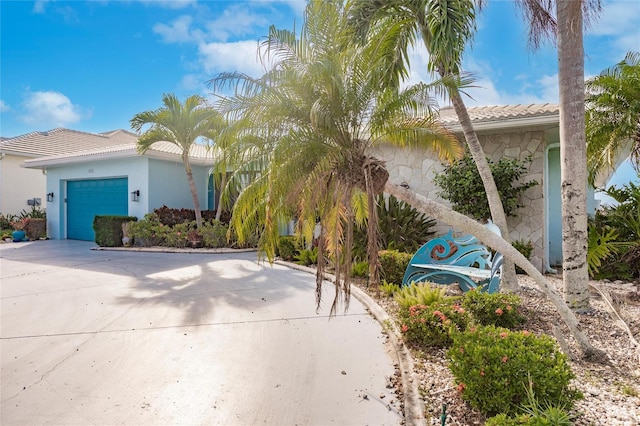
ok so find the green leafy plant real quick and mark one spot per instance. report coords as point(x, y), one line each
point(389, 289)
point(460, 184)
point(360, 269)
point(526, 248)
point(307, 257)
point(614, 236)
point(400, 227)
point(34, 213)
point(431, 325)
point(287, 247)
point(419, 294)
point(149, 231)
point(177, 235)
point(393, 263)
point(214, 234)
point(499, 309)
point(492, 367)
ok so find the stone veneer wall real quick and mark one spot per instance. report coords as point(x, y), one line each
point(417, 168)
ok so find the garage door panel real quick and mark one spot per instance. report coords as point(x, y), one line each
point(88, 198)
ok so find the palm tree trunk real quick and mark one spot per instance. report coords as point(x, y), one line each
point(484, 234)
point(223, 183)
point(573, 156)
point(192, 187)
point(493, 196)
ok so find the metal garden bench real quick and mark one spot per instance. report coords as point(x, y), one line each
point(463, 260)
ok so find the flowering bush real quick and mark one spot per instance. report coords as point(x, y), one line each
point(431, 325)
point(499, 309)
point(493, 368)
point(20, 224)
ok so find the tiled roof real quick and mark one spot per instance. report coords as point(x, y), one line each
point(63, 141)
point(502, 113)
point(198, 154)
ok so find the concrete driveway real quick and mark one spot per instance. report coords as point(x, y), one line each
point(110, 337)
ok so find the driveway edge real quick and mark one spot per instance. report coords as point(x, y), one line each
point(413, 404)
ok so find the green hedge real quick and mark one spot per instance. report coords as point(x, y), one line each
point(108, 229)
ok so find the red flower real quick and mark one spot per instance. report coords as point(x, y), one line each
point(505, 358)
point(461, 387)
point(499, 311)
point(525, 332)
point(405, 328)
point(482, 372)
point(503, 334)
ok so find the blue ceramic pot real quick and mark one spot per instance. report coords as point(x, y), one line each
point(18, 236)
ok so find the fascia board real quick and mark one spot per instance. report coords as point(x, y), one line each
point(510, 124)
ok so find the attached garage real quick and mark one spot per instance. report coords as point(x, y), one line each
point(90, 197)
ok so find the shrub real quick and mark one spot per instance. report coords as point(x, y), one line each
point(36, 228)
point(34, 213)
point(419, 294)
point(5, 221)
point(148, 232)
point(108, 229)
point(393, 264)
point(499, 309)
point(524, 247)
point(214, 234)
point(462, 186)
point(430, 325)
point(493, 366)
point(307, 257)
point(287, 247)
point(400, 227)
point(177, 235)
point(171, 216)
point(360, 269)
point(389, 289)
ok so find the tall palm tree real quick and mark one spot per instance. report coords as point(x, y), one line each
point(567, 26)
point(311, 123)
point(445, 27)
point(182, 125)
point(613, 115)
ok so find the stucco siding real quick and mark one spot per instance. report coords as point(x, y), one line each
point(17, 185)
point(169, 185)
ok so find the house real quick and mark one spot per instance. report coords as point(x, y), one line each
point(91, 174)
point(514, 132)
point(22, 188)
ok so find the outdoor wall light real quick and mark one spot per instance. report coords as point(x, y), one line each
point(50, 197)
point(135, 195)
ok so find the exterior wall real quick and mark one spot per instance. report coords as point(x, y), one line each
point(135, 169)
point(17, 185)
point(168, 185)
point(417, 168)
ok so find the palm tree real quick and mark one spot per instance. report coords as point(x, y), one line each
point(568, 27)
point(446, 27)
point(310, 125)
point(613, 115)
point(181, 125)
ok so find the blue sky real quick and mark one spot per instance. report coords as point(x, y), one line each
point(92, 65)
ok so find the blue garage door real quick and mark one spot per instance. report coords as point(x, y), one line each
point(88, 198)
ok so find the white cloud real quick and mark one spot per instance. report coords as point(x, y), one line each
point(179, 31)
point(170, 4)
point(236, 56)
point(619, 20)
point(50, 108)
point(4, 107)
point(235, 20)
point(39, 6)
